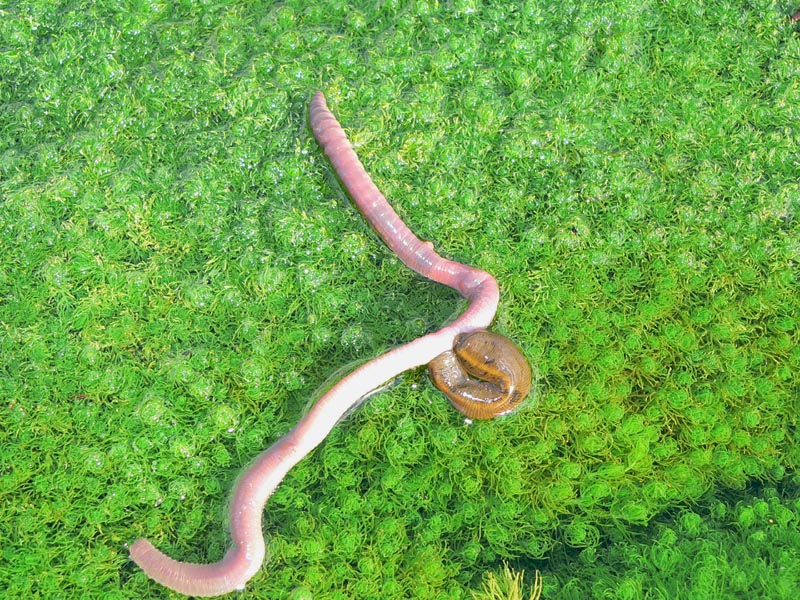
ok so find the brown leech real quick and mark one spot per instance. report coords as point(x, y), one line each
point(484, 376)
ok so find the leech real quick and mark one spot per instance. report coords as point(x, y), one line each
point(484, 376)
point(243, 560)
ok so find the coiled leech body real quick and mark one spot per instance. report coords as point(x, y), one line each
point(484, 376)
point(246, 554)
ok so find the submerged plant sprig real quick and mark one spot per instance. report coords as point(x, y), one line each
point(508, 585)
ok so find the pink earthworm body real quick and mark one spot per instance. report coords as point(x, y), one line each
point(253, 489)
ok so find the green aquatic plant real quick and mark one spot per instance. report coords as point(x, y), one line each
point(735, 545)
point(508, 585)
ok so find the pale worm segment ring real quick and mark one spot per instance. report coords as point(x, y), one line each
point(484, 376)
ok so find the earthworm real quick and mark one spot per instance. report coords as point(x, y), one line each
point(243, 559)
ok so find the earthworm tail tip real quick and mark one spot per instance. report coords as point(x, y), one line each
point(205, 581)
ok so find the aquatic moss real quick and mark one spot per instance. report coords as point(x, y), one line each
point(179, 274)
point(508, 585)
point(735, 544)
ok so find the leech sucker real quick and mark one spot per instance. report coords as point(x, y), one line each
point(246, 553)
